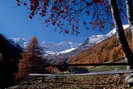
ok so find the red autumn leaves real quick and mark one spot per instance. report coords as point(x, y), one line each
point(35, 4)
point(97, 1)
point(57, 11)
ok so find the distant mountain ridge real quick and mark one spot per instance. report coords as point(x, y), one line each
point(60, 47)
point(49, 48)
point(20, 41)
point(94, 47)
point(67, 47)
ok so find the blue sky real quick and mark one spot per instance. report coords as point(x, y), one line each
point(14, 22)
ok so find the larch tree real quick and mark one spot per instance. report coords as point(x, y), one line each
point(94, 14)
point(23, 67)
point(35, 53)
point(32, 60)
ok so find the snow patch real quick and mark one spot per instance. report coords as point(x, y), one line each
point(94, 39)
point(51, 52)
point(67, 51)
point(113, 31)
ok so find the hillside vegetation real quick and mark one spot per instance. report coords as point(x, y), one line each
point(107, 50)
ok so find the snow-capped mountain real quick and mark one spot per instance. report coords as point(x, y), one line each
point(59, 48)
point(108, 47)
point(67, 51)
point(94, 39)
point(49, 48)
point(20, 41)
point(68, 47)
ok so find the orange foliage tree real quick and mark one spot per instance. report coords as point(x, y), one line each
point(32, 60)
point(36, 56)
point(23, 66)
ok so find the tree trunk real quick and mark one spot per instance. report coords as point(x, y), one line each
point(129, 6)
point(121, 35)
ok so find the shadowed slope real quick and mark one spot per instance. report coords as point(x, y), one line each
point(8, 63)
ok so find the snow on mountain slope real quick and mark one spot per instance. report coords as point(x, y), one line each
point(49, 48)
point(59, 47)
point(66, 47)
point(20, 41)
point(111, 50)
point(67, 51)
point(113, 31)
point(94, 39)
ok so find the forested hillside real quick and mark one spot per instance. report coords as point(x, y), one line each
point(107, 50)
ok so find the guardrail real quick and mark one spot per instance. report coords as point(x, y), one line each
point(99, 80)
point(89, 73)
point(80, 74)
